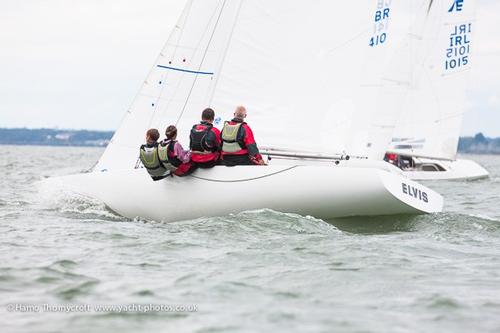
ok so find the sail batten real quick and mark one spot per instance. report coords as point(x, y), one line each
point(198, 72)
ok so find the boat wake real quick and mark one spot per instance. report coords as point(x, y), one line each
point(252, 223)
point(53, 197)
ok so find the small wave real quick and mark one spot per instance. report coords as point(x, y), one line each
point(144, 265)
point(255, 229)
point(71, 292)
point(144, 292)
point(270, 220)
point(64, 263)
point(14, 203)
point(484, 218)
point(9, 215)
point(453, 227)
point(61, 269)
point(467, 221)
point(439, 302)
point(374, 225)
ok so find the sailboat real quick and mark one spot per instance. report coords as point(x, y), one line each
point(426, 137)
point(311, 77)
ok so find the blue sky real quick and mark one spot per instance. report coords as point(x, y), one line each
point(79, 63)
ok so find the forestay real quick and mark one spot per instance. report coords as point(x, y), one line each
point(309, 72)
point(441, 49)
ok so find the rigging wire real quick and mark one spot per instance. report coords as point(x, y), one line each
point(181, 26)
point(182, 78)
point(201, 63)
point(217, 77)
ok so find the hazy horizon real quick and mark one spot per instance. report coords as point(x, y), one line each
point(113, 130)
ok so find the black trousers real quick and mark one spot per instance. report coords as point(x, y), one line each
point(232, 160)
point(204, 165)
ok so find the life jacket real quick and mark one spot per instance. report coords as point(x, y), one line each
point(232, 139)
point(200, 138)
point(150, 159)
point(166, 155)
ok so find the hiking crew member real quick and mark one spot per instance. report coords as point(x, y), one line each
point(205, 141)
point(238, 143)
point(148, 154)
point(172, 155)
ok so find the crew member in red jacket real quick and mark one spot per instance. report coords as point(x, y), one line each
point(238, 143)
point(205, 141)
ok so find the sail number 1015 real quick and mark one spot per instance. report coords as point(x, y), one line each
point(457, 62)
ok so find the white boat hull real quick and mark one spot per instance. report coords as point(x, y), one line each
point(320, 191)
point(449, 170)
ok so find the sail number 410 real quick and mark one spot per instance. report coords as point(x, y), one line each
point(379, 39)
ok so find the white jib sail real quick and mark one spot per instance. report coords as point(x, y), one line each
point(441, 45)
point(309, 73)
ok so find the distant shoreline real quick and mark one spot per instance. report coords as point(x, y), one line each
point(478, 144)
point(54, 137)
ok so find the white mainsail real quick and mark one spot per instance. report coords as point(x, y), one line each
point(432, 114)
point(305, 89)
point(310, 73)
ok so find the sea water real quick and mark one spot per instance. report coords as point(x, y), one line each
point(68, 264)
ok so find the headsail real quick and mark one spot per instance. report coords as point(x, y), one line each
point(310, 74)
point(181, 81)
point(432, 114)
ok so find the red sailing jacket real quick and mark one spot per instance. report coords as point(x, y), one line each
point(246, 141)
point(205, 142)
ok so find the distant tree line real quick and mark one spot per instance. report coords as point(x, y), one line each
point(54, 137)
point(478, 144)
